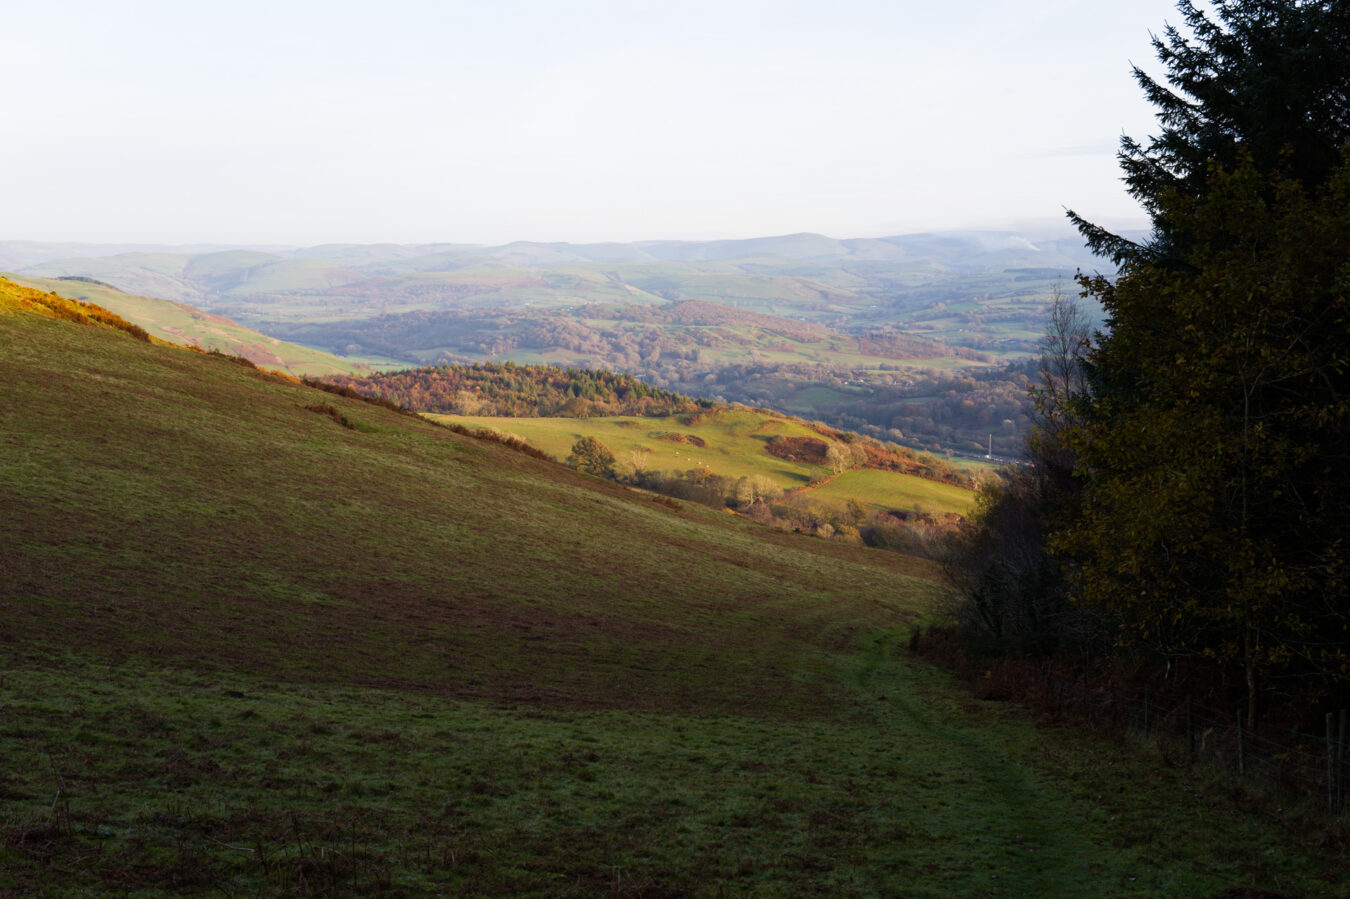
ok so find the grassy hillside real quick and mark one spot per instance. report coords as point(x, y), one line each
point(262, 640)
point(734, 446)
point(182, 324)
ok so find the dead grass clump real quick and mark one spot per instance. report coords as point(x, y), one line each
point(510, 441)
point(344, 391)
point(230, 357)
point(333, 413)
point(798, 449)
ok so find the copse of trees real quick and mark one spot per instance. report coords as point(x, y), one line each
point(520, 391)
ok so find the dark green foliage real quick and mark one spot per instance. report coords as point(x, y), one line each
point(1207, 519)
point(1011, 593)
point(1267, 80)
point(1213, 521)
point(696, 485)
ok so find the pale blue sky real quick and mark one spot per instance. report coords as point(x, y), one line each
point(306, 122)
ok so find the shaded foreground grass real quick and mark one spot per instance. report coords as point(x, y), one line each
point(164, 778)
point(249, 650)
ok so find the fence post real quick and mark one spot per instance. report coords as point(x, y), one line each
point(1242, 751)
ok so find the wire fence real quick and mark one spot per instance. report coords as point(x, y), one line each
point(1312, 765)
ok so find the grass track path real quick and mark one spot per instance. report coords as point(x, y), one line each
point(1012, 827)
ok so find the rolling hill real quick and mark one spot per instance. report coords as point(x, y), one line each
point(260, 639)
point(182, 324)
point(854, 285)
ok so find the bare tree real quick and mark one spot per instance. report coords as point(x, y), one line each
point(1068, 336)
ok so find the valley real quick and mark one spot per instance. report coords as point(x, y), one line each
point(887, 336)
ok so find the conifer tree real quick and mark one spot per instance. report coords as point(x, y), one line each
point(1268, 79)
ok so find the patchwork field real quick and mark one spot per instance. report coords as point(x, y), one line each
point(258, 639)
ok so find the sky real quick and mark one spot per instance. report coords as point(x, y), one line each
point(299, 123)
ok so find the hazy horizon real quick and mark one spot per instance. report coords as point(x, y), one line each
point(297, 124)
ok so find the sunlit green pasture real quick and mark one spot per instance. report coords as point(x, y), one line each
point(735, 441)
point(735, 448)
point(882, 490)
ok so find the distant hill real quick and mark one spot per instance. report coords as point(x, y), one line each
point(771, 467)
point(658, 437)
point(806, 323)
point(837, 282)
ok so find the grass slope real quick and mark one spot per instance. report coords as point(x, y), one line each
point(182, 324)
point(248, 650)
point(735, 448)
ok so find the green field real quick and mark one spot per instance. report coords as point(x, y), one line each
point(735, 448)
point(883, 490)
point(736, 441)
point(258, 639)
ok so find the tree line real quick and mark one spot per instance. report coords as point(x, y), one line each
point(512, 390)
point(1187, 507)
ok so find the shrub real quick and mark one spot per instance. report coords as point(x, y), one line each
point(590, 456)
